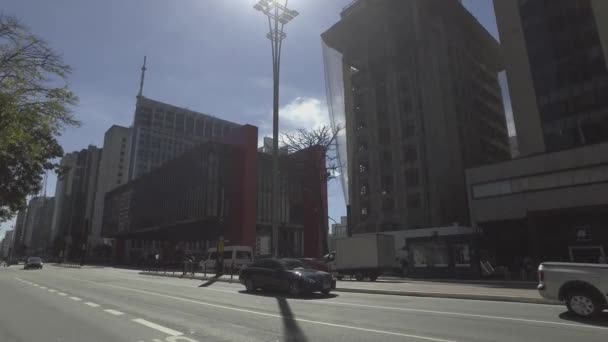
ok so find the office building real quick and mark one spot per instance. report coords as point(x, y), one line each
point(75, 199)
point(549, 204)
point(6, 245)
point(19, 232)
point(555, 56)
point(415, 85)
point(161, 132)
point(113, 172)
point(37, 232)
point(219, 188)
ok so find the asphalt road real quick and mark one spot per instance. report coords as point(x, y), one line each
point(105, 304)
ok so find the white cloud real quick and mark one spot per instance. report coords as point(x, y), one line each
point(303, 113)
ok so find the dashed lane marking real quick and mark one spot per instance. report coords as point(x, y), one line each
point(62, 294)
point(157, 327)
point(43, 287)
point(75, 299)
point(91, 304)
point(114, 312)
point(51, 290)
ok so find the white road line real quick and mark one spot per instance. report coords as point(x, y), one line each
point(75, 298)
point(43, 287)
point(91, 304)
point(114, 312)
point(383, 332)
point(36, 285)
point(157, 327)
point(62, 294)
point(447, 313)
point(51, 290)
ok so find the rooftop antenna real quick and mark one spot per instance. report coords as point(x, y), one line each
point(143, 75)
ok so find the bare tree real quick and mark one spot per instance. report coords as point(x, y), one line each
point(322, 160)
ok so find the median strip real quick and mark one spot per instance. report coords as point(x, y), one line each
point(155, 326)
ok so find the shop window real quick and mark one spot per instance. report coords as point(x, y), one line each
point(461, 255)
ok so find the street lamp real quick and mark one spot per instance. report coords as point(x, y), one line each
point(278, 16)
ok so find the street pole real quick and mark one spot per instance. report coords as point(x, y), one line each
point(278, 15)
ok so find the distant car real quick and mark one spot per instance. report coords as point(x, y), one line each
point(33, 262)
point(289, 275)
point(237, 256)
point(318, 264)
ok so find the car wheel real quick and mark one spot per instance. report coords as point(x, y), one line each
point(325, 292)
point(583, 304)
point(359, 276)
point(249, 285)
point(294, 288)
point(373, 277)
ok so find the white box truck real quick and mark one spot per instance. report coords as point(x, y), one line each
point(362, 256)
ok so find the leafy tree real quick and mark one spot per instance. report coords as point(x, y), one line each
point(35, 107)
point(322, 163)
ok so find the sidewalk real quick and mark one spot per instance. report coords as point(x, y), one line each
point(518, 292)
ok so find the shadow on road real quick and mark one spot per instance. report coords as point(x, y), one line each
point(311, 296)
point(291, 328)
point(209, 282)
point(600, 320)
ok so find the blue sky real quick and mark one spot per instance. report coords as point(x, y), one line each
point(207, 55)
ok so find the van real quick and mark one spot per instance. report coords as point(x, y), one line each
point(238, 256)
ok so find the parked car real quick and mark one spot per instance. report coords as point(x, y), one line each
point(583, 287)
point(289, 275)
point(238, 256)
point(33, 262)
point(318, 264)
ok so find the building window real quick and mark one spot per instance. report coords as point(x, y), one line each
point(412, 178)
point(363, 190)
point(387, 184)
point(413, 200)
point(411, 153)
point(362, 168)
point(364, 212)
point(409, 129)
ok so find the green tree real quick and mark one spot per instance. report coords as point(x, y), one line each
point(35, 107)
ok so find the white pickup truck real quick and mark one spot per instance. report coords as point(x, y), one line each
point(583, 287)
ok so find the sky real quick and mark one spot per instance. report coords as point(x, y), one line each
point(206, 55)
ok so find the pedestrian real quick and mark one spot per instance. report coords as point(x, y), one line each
point(157, 261)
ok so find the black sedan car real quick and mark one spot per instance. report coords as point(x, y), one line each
point(289, 275)
point(33, 262)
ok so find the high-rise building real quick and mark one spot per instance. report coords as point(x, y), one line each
point(550, 203)
point(160, 132)
point(6, 245)
point(113, 171)
point(75, 196)
point(37, 232)
point(555, 56)
point(416, 85)
point(19, 231)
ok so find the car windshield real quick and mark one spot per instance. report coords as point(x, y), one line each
point(292, 264)
point(33, 260)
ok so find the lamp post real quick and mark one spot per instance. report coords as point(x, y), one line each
point(278, 16)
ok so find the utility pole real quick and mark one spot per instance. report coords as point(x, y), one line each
point(278, 15)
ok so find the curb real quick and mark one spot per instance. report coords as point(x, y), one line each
point(453, 296)
point(67, 265)
point(400, 293)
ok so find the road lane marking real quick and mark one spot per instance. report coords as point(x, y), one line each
point(447, 313)
point(51, 290)
point(36, 285)
point(91, 304)
point(43, 287)
point(157, 327)
point(383, 332)
point(62, 294)
point(113, 312)
point(75, 299)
